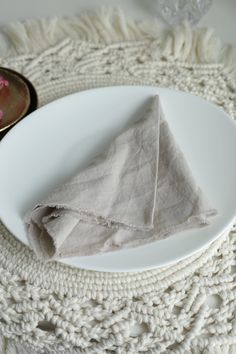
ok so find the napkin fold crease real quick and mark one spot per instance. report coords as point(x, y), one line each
point(139, 190)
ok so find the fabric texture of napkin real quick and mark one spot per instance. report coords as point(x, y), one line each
point(139, 190)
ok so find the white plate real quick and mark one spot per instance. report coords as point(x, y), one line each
point(47, 147)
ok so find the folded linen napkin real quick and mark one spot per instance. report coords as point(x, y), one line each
point(139, 190)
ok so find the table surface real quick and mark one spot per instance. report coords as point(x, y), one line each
point(221, 16)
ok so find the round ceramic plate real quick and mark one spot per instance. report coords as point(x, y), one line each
point(48, 146)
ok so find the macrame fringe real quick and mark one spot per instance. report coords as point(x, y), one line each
point(108, 26)
point(8, 346)
point(105, 26)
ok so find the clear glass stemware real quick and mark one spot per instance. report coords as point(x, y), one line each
point(176, 11)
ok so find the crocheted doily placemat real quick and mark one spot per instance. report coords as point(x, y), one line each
point(186, 307)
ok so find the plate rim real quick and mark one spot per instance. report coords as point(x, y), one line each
point(142, 268)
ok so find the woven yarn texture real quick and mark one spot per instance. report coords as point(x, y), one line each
point(188, 307)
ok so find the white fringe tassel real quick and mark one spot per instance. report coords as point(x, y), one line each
point(107, 26)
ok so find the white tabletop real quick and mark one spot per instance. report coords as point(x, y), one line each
point(221, 16)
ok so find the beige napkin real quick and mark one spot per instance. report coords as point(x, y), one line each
point(138, 191)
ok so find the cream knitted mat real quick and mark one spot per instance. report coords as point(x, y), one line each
point(188, 307)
